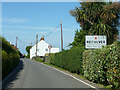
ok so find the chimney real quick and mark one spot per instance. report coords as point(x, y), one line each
point(42, 38)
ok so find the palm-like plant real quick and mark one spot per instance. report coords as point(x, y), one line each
point(98, 18)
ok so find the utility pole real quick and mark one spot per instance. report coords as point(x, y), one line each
point(16, 41)
point(36, 44)
point(61, 38)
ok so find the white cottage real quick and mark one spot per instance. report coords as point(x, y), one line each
point(42, 49)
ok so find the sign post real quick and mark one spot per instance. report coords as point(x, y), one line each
point(49, 46)
point(95, 41)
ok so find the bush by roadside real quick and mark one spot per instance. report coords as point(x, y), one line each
point(70, 60)
point(51, 58)
point(98, 65)
point(39, 59)
point(103, 65)
point(10, 57)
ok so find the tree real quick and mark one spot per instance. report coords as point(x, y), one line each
point(79, 39)
point(28, 51)
point(99, 18)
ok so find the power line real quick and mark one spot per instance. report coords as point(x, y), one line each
point(26, 42)
point(52, 30)
point(22, 42)
point(45, 36)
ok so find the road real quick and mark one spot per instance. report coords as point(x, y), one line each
point(31, 74)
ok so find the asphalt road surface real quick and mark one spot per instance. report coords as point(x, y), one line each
point(31, 74)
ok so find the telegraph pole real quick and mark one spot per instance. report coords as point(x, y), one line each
point(61, 38)
point(16, 41)
point(36, 44)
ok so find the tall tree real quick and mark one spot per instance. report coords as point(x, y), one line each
point(99, 18)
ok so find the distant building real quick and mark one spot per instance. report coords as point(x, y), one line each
point(42, 49)
point(13, 46)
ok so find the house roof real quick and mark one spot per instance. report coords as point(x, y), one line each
point(46, 43)
point(14, 46)
point(39, 42)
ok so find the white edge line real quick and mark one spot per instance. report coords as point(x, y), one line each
point(71, 76)
point(52, 68)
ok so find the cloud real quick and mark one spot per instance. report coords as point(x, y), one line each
point(15, 20)
point(27, 27)
point(49, 29)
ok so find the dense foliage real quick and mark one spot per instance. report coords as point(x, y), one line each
point(79, 39)
point(51, 58)
point(103, 65)
point(39, 59)
point(28, 51)
point(70, 60)
point(97, 18)
point(10, 58)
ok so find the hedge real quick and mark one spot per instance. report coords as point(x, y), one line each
point(70, 60)
point(10, 58)
point(51, 58)
point(103, 65)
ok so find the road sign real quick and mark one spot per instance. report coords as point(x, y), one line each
point(49, 46)
point(95, 41)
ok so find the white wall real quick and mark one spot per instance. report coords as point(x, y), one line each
point(54, 50)
point(33, 52)
point(42, 49)
point(42, 46)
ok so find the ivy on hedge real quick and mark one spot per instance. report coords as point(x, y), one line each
point(97, 65)
point(103, 65)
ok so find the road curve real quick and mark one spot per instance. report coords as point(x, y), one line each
point(32, 74)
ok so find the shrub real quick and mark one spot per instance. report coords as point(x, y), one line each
point(103, 65)
point(69, 59)
point(39, 59)
point(5, 63)
point(51, 58)
point(28, 55)
point(93, 65)
point(10, 58)
point(113, 65)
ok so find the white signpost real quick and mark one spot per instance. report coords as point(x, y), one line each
point(95, 41)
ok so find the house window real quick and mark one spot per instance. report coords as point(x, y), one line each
point(46, 49)
point(37, 49)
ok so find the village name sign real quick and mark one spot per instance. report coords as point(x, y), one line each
point(95, 41)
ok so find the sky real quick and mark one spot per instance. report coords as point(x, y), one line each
point(27, 19)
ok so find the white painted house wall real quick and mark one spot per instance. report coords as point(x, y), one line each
point(42, 49)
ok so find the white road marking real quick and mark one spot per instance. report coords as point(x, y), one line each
point(71, 76)
point(52, 68)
